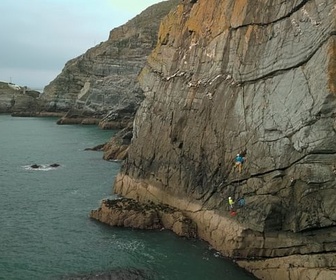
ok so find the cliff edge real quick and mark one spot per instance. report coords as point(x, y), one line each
point(254, 76)
point(101, 84)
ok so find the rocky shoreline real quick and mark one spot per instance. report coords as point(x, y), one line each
point(230, 77)
point(219, 79)
point(267, 255)
point(126, 212)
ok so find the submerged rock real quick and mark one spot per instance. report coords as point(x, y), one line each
point(44, 166)
point(117, 274)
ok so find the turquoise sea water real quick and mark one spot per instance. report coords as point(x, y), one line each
point(45, 231)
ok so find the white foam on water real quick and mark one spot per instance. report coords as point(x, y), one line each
point(131, 246)
point(42, 167)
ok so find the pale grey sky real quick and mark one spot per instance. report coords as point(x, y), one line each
point(39, 36)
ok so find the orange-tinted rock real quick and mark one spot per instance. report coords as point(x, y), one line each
point(228, 76)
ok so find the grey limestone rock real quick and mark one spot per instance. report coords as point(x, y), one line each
point(254, 76)
point(102, 82)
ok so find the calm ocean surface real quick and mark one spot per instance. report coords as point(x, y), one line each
point(45, 231)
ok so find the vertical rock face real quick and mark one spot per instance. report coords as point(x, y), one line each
point(232, 76)
point(103, 80)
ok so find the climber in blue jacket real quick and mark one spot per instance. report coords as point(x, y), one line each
point(239, 160)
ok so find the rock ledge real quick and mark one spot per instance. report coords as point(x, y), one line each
point(125, 212)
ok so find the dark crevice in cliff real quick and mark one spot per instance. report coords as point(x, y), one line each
point(316, 231)
point(283, 70)
point(289, 135)
point(210, 194)
point(294, 10)
point(263, 258)
point(244, 179)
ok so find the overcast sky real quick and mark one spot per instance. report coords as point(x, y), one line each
point(39, 36)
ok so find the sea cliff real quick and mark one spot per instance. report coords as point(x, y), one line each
point(100, 86)
point(254, 76)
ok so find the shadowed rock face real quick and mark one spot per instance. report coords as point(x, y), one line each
point(255, 76)
point(117, 147)
point(102, 82)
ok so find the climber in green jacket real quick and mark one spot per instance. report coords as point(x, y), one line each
point(231, 203)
